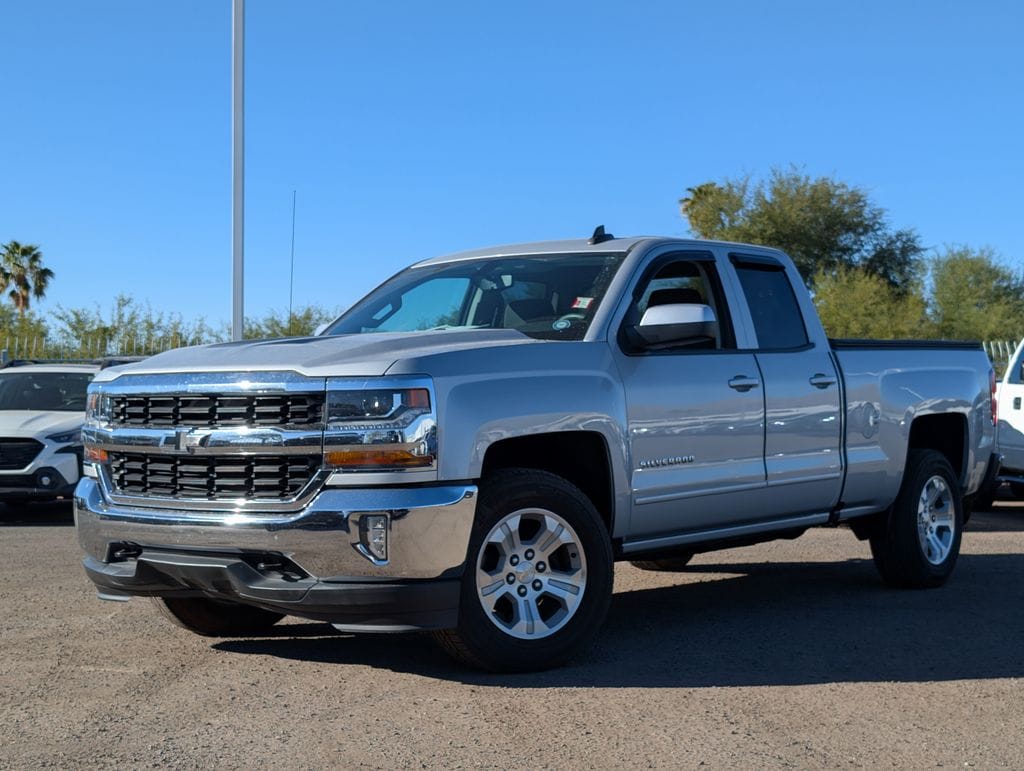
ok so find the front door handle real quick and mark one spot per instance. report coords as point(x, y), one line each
point(743, 383)
point(822, 381)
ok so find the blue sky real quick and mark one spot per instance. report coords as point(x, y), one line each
point(411, 129)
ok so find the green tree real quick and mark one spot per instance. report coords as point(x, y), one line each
point(825, 225)
point(22, 271)
point(22, 335)
point(855, 303)
point(975, 296)
point(303, 321)
point(129, 328)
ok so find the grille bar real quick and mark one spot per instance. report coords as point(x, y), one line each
point(18, 453)
point(263, 477)
point(289, 409)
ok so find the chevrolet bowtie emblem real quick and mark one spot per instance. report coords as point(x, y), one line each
point(187, 440)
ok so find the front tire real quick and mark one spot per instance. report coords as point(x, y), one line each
point(214, 618)
point(538, 576)
point(918, 544)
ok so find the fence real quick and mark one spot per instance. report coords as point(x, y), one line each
point(1000, 352)
point(40, 347)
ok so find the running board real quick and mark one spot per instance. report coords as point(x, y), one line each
point(724, 533)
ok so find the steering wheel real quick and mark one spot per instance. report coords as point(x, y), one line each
point(572, 317)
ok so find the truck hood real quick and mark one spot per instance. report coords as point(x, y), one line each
point(368, 355)
point(38, 424)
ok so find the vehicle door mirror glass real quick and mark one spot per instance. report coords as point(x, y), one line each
point(677, 324)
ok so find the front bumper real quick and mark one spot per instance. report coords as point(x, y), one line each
point(52, 474)
point(307, 563)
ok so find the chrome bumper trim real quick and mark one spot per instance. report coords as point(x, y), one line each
point(189, 441)
point(428, 535)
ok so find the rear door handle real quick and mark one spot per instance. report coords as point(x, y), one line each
point(822, 381)
point(744, 383)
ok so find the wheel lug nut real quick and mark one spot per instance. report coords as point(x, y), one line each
point(529, 554)
point(522, 591)
point(537, 585)
point(541, 567)
point(510, 578)
point(514, 559)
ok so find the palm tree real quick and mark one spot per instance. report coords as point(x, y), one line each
point(21, 270)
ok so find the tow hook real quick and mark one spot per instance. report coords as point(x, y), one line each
point(119, 552)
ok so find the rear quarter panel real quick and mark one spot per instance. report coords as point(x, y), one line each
point(886, 390)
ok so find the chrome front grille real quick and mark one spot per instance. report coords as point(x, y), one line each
point(212, 477)
point(17, 453)
point(236, 409)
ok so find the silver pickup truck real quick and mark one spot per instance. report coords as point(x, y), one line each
point(471, 447)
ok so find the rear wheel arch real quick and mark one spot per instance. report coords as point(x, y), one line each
point(945, 433)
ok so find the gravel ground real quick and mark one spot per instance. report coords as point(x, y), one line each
point(785, 654)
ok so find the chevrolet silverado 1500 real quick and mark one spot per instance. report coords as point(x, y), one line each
point(472, 446)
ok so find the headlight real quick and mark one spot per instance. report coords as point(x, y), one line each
point(68, 437)
point(380, 429)
point(394, 408)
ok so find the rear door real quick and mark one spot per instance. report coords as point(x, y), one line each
point(802, 392)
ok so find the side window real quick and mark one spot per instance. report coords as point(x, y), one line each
point(681, 282)
point(773, 307)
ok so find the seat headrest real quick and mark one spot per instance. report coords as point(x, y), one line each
point(674, 296)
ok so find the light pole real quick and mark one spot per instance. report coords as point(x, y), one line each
point(237, 167)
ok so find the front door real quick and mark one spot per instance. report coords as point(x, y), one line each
point(695, 413)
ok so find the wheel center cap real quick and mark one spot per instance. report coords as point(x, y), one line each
point(525, 572)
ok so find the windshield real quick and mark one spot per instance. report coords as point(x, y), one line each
point(550, 297)
point(44, 391)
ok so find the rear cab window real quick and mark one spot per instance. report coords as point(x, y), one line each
point(778, 321)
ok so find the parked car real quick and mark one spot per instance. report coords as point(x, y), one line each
point(1009, 432)
point(42, 408)
point(472, 446)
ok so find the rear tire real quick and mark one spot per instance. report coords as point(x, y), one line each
point(215, 618)
point(917, 545)
point(665, 564)
point(538, 575)
point(1017, 489)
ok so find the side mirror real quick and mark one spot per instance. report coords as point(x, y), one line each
point(320, 328)
point(676, 323)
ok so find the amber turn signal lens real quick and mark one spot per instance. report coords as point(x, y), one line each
point(95, 455)
point(382, 458)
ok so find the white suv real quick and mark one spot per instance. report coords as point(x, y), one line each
point(42, 408)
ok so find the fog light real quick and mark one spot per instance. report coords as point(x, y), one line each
point(46, 478)
point(373, 532)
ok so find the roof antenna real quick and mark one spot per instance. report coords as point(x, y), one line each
point(600, 236)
